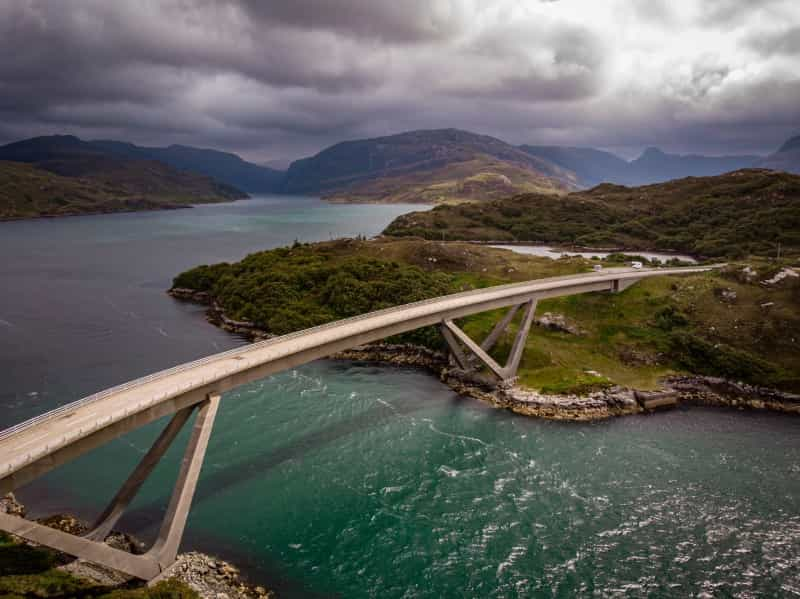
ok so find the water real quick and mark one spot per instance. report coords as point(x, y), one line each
point(351, 480)
point(554, 253)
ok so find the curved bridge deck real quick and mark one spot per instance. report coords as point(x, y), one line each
point(36, 446)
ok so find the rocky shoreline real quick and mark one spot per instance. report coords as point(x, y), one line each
point(207, 575)
point(605, 403)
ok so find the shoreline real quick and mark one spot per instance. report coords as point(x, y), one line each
point(9, 219)
point(599, 405)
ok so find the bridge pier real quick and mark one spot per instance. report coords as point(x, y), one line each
point(453, 335)
point(165, 548)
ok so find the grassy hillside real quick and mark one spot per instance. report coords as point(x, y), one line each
point(747, 212)
point(722, 323)
point(61, 175)
point(478, 179)
point(423, 166)
point(27, 191)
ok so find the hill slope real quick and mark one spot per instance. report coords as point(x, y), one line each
point(746, 212)
point(654, 166)
point(58, 175)
point(222, 166)
point(429, 165)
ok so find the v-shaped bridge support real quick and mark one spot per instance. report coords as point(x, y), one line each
point(454, 336)
point(165, 548)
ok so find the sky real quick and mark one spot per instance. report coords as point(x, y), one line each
point(273, 79)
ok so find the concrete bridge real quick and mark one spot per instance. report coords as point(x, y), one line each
point(32, 448)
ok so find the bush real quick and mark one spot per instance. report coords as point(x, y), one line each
point(702, 357)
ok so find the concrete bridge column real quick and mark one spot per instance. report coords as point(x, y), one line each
point(454, 335)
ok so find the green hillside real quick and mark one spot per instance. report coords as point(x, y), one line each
point(28, 191)
point(747, 212)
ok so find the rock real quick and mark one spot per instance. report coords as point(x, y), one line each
point(202, 573)
point(716, 391)
point(9, 505)
point(557, 322)
point(780, 276)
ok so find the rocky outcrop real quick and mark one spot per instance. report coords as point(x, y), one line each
point(190, 295)
point(614, 401)
point(557, 322)
point(713, 391)
point(402, 354)
point(9, 505)
point(212, 577)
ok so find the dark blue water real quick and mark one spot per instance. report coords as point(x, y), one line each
point(351, 480)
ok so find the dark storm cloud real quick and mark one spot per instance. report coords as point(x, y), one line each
point(406, 21)
point(283, 78)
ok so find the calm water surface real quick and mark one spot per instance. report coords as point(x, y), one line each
point(349, 480)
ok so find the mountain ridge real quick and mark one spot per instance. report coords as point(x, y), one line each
point(59, 175)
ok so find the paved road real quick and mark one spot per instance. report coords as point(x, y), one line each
point(40, 444)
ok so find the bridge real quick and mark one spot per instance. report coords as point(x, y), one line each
point(34, 447)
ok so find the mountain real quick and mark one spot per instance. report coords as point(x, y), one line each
point(654, 166)
point(749, 211)
point(222, 166)
point(66, 175)
point(591, 166)
point(422, 166)
point(787, 158)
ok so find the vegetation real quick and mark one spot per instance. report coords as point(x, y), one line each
point(61, 175)
point(27, 572)
point(748, 212)
point(724, 323)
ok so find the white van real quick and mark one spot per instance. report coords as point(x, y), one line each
point(636, 265)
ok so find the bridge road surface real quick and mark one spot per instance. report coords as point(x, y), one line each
point(36, 446)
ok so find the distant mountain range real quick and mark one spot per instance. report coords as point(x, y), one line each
point(593, 167)
point(222, 166)
point(426, 166)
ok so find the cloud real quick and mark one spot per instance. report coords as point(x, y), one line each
point(276, 79)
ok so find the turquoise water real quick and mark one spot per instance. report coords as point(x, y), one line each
point(351, 480)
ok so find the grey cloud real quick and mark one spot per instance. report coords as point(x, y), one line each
point(786, 42)
point(405, 21)
point(284, 78)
